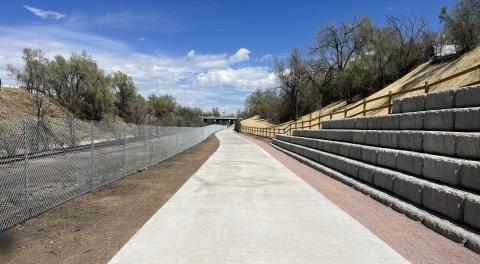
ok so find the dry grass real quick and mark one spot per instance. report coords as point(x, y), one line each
point(427, 72)
point(16, 102)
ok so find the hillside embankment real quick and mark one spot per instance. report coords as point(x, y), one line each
point(428, 72)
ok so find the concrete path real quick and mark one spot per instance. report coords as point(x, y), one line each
point(243, 206)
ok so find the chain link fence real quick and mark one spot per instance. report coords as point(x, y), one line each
point(46, 162)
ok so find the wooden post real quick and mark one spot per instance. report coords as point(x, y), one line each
point(302, 124)
point(389, 102)
point(427, 87)
point(345, 112)
point(364, 107)
point(310, 121)
point(331, 115)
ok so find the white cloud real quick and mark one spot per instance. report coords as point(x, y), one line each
point(142, 39)
point(266, 57)
point(247, 78)
point(195, 79)
point(239, 56)
point(45, 14)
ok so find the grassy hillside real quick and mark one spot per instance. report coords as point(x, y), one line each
point(15, 102)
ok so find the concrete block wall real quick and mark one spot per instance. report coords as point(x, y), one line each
point(454, 172)
point(456, 204)
point(427, 153)
point(464, 145)
point(455, 119)
point(452, 98)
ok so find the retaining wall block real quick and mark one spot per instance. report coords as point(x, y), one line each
point(327, 124)
point(358, 137)
point(318, 157)
point(366, 173)
point(389, 139)
point(440, 100)
point(369, 155)
point(410, 163)
point(326, 134)
point(391, 122)
point(397, 106)
point(384, 179)
point(325, 146)
point(413, 103)
point(345, 136)
point(355, 152)
point(329, 161)
point(334, 148)
point(468, 146)
point(439, 143)
point(467, 97)
point(409, 140)
point(467, 120)
point(338, 124)
point(374, 123)
point(408, 188)
point(372, 138)
point(387, 158)
point(442, 169)
point(444, 201)
point(309, 142)
point(443, 120)
point(310, 133)
point(342, 149)
point(361, 123)
point(318, 134)
point(347, 168)
point(411, 121)
point(310, 155)
point(470, 175)
point(297, 133)
point(350, 123)
point(472, 211)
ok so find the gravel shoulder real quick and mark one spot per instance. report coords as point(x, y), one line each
point(94, 226)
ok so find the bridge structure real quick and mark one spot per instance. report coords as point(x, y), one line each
point(220, 120)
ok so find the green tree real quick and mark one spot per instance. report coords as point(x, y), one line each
point(462, 24)
point(125, 92)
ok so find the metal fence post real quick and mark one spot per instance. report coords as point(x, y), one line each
point(125, 149)
point(146, 148)
point(92, 153)
point(27, 194)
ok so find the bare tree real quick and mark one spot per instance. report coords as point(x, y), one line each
point(408, 32)
point(33, 76)
point(291, 79)
point(336, 47)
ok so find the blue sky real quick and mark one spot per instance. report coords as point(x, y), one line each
point(206, 53)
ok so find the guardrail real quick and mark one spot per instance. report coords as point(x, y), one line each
point(315, 122)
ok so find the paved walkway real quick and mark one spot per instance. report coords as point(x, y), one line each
point(243, 206)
